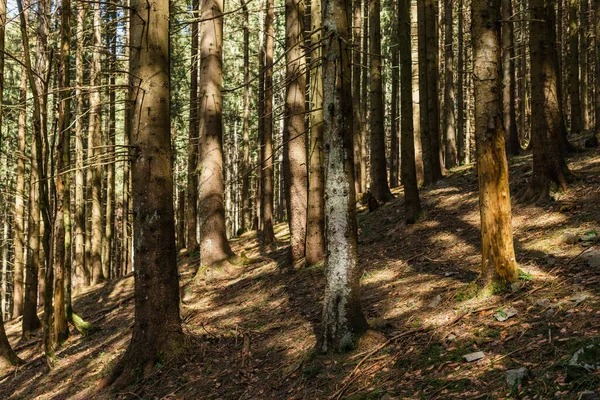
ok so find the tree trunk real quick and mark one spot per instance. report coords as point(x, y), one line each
point(412, 204)
point(596, 24)
point(246, 205)
point(364, 100)
point(498, 261)
point(449, 100)
point(81, 270)
point(433, 107)
point(214, 247)
point(343, 319)
point(127, 203)
point(414, 49)
point(379, 183)
point(19, 233)
point(460, 93)
point(423, 94)
point(157, 331)
point(513, 146)
point(181, 220)
point(356, 74)
point(191, 209)
point(95, 143)
point(266, 144)
point(549, 163)
point(574, 89)
point(394, 145)
point(315, 235)
point(294, 136)
point(583, 62)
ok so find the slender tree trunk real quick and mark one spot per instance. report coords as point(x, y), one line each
point(181, 220)
point(214, 247)
point(19, 231)
point(498, 261)
point(95, 143)
point(356, 74)
point(549, 163)
point(7, 356)
point(423, 93)
point(394, 145)
point(127, 203)
point(583, 62)
point(266, 212)
point(460, 93)
point(412, 204)
point(596, 25)
point(508, 80)
point(246, 205)
point(574, 82)
point(379, 183)
point(315, 235)
point(414, 48)
point(449, 100)
point(433, 103)
point(364, 100)
point(157, 328)
point(343, 319)
point(191, 219)
point(81, 270)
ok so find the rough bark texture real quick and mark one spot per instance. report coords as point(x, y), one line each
point(81, 270)
point(343, 319)
point(460, 93)
point(364, 100)
point(583, 62)
point(596, 25)
point(513, 146)
point(412, 204)
point(498, 254)
point(574, 90)
point(246, 200)
point(191, 218)
point(315, 235)
point(379, 183)
point(294, 135)
point(414, 47)
point(7, 355)
point(157, 328)
point(95, 143)
point(214, 247)
point(449, 99)
point(433, 74)
point(394, 120)
point(549, 163)
point(266, 143)
point(356, 74)
point(423, 96)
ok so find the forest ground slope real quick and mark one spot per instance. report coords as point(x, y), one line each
point(251, 329)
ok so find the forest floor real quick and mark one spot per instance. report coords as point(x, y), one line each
point(252, 329)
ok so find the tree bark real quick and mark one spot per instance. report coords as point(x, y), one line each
point(583, 62)
point(315, 235)
point(412, 204)
point(414, 48)
point(379, 182)
point(294, 134)
point(460, 93)
point(449, 99)
point(596, 25)
point(157, 330)
point(364, 134)
point(343, 319)
point(356, 86)
point(549, 163)
point(513, 146)
point(214, 246)
point(394, 142)
point(191, 209)
point(95, 144)
point(574, 82)
point(498, 255)
point(433, 107)
point(246, 204)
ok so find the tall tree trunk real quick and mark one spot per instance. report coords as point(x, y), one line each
point(364, 100)
point(433, 102)
point(214, 247)
point(394, 145)
point(498, 254)
point(414, 48)
point(81, 269)
point(157, 328)
point(294, 135)
point(191, 219)
point(246, 205)
point(508, 80)
point(423, 94)
point(449, 100)
point(596, 24)
point(95, 143)
point(412, 204)
point(356, 74)
point(549, 163)
point(343, 319)
point(19, 230)
point(315, 235)
point(127, 258)
point(583, 62)
point(460, 93)
point(379, 183)
point(574, 82)
point(266, 144)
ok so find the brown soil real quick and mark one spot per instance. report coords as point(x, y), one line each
point(252, 329)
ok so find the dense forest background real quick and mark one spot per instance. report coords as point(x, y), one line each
point(206, 166)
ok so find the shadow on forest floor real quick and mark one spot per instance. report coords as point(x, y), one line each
point(252, 330)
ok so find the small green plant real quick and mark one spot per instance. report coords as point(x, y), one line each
point(525, 276)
